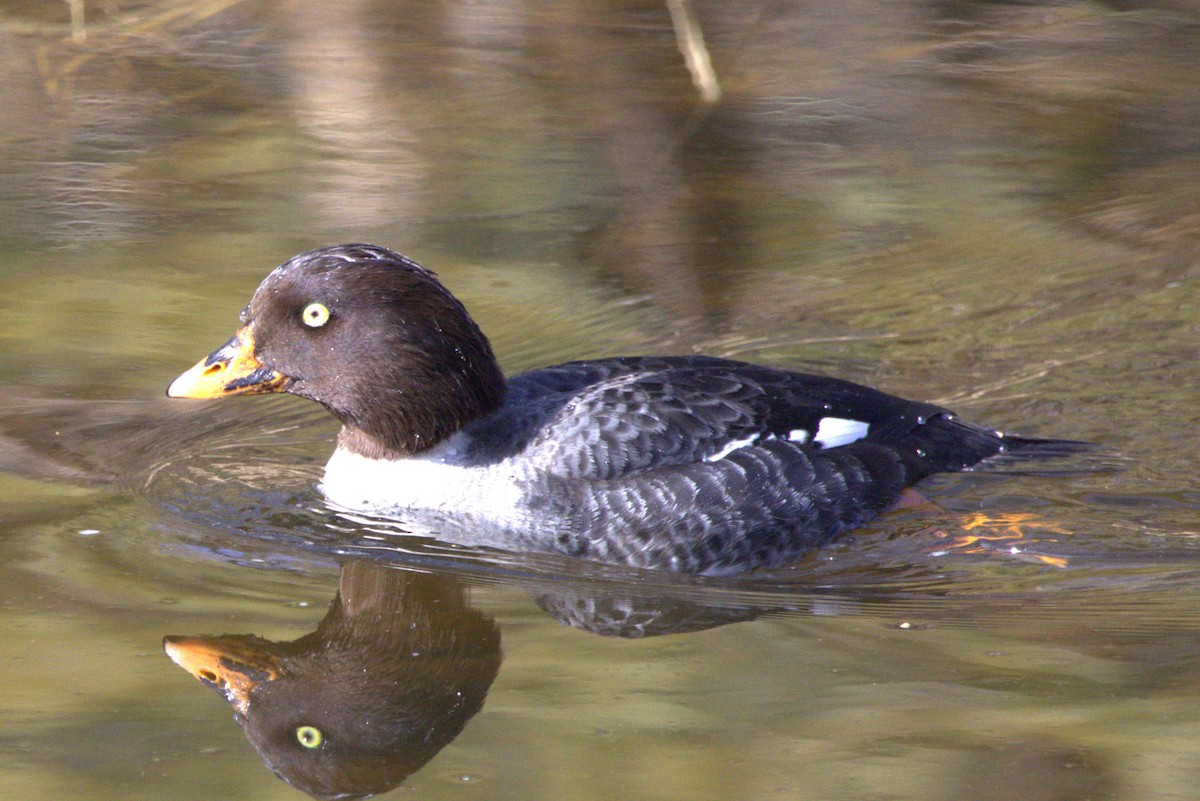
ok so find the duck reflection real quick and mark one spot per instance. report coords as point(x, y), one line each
point(391, 675)
point(633, 617)
point(397, 668)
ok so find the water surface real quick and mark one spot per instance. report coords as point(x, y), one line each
point(988, 205)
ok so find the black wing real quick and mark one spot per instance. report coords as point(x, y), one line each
point(613, 418)
point(703, 465)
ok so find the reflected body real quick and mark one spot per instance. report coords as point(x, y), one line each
point(685, 463)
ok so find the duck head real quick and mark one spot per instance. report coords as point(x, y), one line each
point(369, 334)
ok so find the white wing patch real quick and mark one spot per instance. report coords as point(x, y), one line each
point(798, 435)
point(833, 432)
point(731, 447)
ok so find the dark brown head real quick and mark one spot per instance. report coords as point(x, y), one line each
point(369, 334)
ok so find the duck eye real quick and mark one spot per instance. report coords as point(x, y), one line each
point(309, 736)
point(315, 315)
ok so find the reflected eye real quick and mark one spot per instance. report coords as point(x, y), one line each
point(309, 736)
point(315, 315)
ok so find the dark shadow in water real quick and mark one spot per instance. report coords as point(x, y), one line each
point(391, 675)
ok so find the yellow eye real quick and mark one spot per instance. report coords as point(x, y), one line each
point(315, 315)
point(309, 736)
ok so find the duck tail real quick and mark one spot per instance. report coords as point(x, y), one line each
point(946, 443)
point(1023, 448)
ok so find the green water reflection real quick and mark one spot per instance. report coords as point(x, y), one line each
point(990, 205)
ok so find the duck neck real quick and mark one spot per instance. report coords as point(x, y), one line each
point(419, 420)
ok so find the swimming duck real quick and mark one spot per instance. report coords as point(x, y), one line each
point(685, 463)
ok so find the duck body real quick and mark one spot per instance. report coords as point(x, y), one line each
point(686, 463)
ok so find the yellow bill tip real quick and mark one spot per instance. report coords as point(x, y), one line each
point(194, 383)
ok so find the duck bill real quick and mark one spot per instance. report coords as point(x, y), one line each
point(233, 665)
point(232, 369)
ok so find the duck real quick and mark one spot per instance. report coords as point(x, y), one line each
point(687, 463)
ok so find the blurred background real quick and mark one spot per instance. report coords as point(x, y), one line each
point(992, 205)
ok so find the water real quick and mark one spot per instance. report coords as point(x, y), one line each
point(986, 205)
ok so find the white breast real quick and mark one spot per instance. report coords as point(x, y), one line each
point(425, 483)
